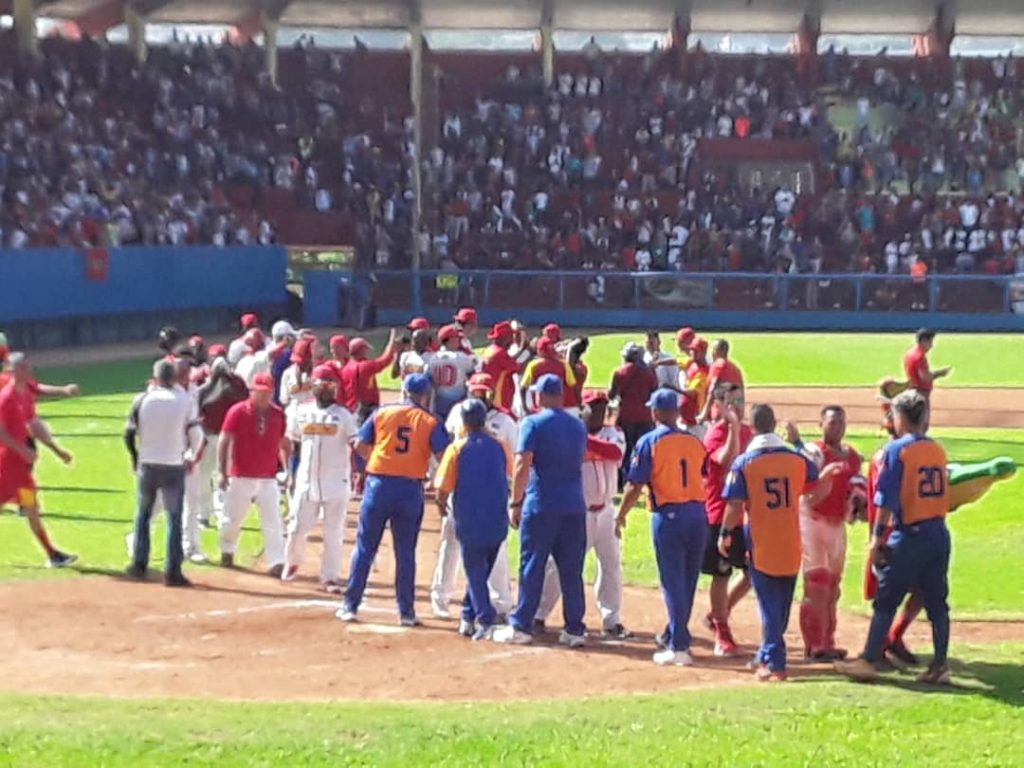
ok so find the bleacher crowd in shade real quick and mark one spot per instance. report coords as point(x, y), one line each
point(919, 163)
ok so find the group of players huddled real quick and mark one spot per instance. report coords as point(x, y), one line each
point(514, 437)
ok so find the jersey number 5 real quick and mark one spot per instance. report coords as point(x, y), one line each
point(403, 439)
point(777, 489)
point(931, 482)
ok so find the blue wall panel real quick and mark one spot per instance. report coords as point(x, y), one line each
point(52, 284)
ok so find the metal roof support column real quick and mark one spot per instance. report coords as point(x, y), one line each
point(416, 98)
point(547, 42)
point(25, 26)
point(136, 24)
point(270, 27)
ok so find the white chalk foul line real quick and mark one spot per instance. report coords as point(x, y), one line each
point(284, 605)
point(511, 654)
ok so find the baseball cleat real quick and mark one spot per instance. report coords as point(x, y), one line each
point(725, 646)
point(512, 636)
point(898, 653)
point(60, 559)
point(439, 606)
point(227, 560)
point(827, 654)
point(670, 658)
point(935, 675)
point(346, 614)
point(332, 587)
point(290, 572)
point(466, 628)
point(409, 621)
point(275, 570)
point(859, 669)
point(539, 627)
point(485, 633)
point(176, 580)
point(618, 632)
point(573, 641)
point(136, 572)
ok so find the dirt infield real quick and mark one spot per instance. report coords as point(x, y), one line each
point(243, 635)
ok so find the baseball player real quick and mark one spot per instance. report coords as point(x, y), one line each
point(414, 359)
point(473, 476)
point(238, 346)
point(467, 321)
point(397, 442)
point(671, 463)
point(221, 391)
point(765, 486)
point(913, 490)
point(547, 362)
point(502, 427)
point(823, 533)
point(664, 365)
point(324, 431)
point(605, 447)
point(502, 366)
point(547, 502)
point(449, 369)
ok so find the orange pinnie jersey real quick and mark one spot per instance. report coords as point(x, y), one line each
point(403, 439)
point(672, 464)
point(770, 481)
point(912, 480)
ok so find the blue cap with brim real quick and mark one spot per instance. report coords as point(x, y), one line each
point(474, 413)
point(664, 400)
point(549, 384)
point(417, 384)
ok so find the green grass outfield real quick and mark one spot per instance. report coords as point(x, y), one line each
point(813, 722)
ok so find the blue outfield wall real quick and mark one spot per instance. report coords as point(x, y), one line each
point(54, 284)
point(641, 300)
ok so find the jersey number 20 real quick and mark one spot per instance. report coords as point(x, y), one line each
point(931, 482)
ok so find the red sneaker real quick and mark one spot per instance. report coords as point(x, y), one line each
point(725, 646)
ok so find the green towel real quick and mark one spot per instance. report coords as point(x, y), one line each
point(999, 467)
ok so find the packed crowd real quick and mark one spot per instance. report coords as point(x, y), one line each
point(266, 419)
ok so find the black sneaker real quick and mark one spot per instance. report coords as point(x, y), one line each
point(176, 580)
point(226, 560)
point(60, 559)
point(539, 627)
point(136, 572)
point(618, 632)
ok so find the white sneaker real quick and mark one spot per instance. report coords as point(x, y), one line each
point(347, 615)
point(466, 628)
point(668, 658)
point(198, 558)
point(440, 607)
point(512, 636)
point(573, 641)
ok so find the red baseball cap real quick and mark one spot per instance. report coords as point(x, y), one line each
point(359, 344)
point(699, 343)
point(262, 382)
point(418, 324)
point(685, 335)
point(302, 352)
point(595, 396)
point(552, 331)
point(339, 340)
point(500, 330)
point(481, 381)
point(546, 346)
point(466, 315)
point(218, 350)
point(325, 372)
point(249, 320)
point(449, 332)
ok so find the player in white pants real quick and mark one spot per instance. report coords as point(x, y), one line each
point(502, 426)
point(600, 480)
point(324, 431)
point(252, 446)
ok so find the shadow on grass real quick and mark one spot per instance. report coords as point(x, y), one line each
point(80, 489)
point(76, 416)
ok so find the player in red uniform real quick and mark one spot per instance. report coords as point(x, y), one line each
point(823, 533)
point(547, 361)
point(722, 370)
point(20, 428)
point(499, 363)
point(359, 376)
point(915, 364)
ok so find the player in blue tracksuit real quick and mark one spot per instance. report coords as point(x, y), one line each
point(474, 472)
point(549, 508)
point(672, 464)
point(397, 442)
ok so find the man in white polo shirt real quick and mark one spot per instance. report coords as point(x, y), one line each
point(325, 431)
point(157, 438)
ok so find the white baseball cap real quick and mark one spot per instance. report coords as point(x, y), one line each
point(281, 329)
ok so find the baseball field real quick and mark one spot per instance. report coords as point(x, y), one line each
point(244, 670)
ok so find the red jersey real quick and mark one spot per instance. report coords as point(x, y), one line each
point(572, 399)
point(915, 366)
point(714, 481)
point(726, 371)
point(256, 439)
point(870, 579)
point(502, 367)
point(32, 387)
point(359, 381)
point(17, 410)
point(541, 366)
point(634, 384)
point(833, 506)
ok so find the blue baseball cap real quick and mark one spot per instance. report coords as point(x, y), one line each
point(474, 413)
point(549, 384)
point(417, 384)
point(664, 400)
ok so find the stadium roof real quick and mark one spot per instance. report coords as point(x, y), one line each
point(977, 17)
